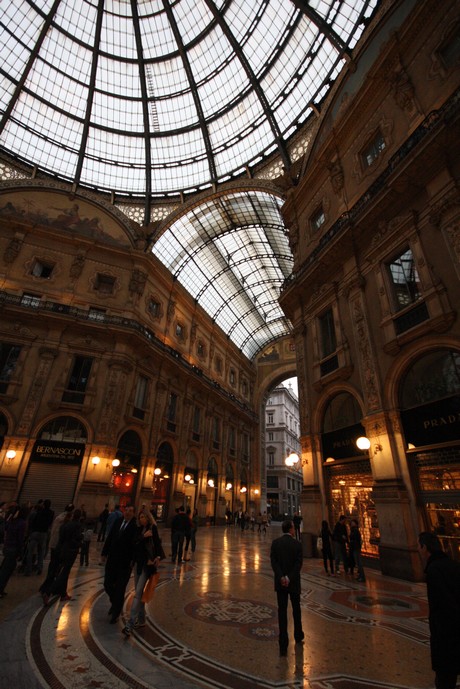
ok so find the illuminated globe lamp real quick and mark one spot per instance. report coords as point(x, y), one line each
point(10, 455)
point(115, 463)
point(363, 443)
point(292, 459)
point(243, 489)
point(229, 486)
point(157, 471)
point(211, 482)
point(95, 461)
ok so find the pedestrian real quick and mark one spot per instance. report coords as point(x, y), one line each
point(70, 537)
point(180, 528)
point(443, 589)
point(103, 523)
point(297, 519)
point(355, 549)
point(112, 518)
point(148, 552)
point(286, 560)
point(39, 525)
point(53, 566)
point(326, 537)
point(118, 550)
point(87, 538)
point(13, 542)
point(340, 541)
point(191, 540)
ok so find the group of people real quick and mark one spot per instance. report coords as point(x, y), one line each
point(342, 546)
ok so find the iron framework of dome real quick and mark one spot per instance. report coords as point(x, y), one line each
point(153, 101)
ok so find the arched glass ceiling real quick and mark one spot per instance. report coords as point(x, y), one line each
point(154, 97)
point(232, 255)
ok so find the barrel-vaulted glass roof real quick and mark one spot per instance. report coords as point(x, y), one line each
point(150, 99)
point(232, 255)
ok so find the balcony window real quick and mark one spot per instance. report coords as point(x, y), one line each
point(105, 284)
point(317, 219)
point(405, 282)
point(373, 149)
point(9, 355)
point(327, 334)
point(140, 397)
point(42, 269)
point(78, 380)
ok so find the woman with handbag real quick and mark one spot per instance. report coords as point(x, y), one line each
point(147, 554)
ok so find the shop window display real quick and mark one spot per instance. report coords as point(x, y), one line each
point(351, 494)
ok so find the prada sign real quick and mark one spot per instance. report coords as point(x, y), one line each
point(434, 423)
point(341, 444)
point(57, 452)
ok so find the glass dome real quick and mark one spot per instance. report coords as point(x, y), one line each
point(157, 97)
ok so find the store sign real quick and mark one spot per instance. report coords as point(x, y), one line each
point(341, 444)
point(431, 424)
point(57, 452)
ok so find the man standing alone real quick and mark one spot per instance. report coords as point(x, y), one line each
point(443, 588)
point(286, 559)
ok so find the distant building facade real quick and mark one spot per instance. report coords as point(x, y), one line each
point(282, 430)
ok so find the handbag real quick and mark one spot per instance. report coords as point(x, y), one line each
point(149, 588)
point(319, 543)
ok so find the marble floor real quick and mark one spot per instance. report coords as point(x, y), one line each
point(213, 623)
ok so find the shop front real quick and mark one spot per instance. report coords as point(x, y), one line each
point(347, 474)
point(430, 418)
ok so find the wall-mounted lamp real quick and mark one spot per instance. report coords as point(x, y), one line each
point(243, 489)
point(256, 491)
point(187, 478)
point(115, 463)
point(157, 471)
point(211, 483)
point(363, 443)
point(293, 460)
point(229, 486)
point(10, 455)
point(95, 461)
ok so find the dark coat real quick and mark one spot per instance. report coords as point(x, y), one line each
point(326, 536)
point(146, 549)
point(70, 538)
point(443, 588)
point(286, 559)
point(119, 544)
point(15, 533)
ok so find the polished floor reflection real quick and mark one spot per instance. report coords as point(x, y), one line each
point(212, 623)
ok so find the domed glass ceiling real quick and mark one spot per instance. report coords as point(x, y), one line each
point(151, 97)
point(154, 98)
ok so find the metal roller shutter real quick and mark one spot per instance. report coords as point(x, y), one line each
point(49, 481)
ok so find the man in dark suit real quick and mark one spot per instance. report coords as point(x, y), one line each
point(119, 551)
point(286, 559)
point(443, 589)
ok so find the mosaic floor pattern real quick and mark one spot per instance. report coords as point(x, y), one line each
point(213, 623)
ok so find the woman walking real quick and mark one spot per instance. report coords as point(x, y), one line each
point(147, 554)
